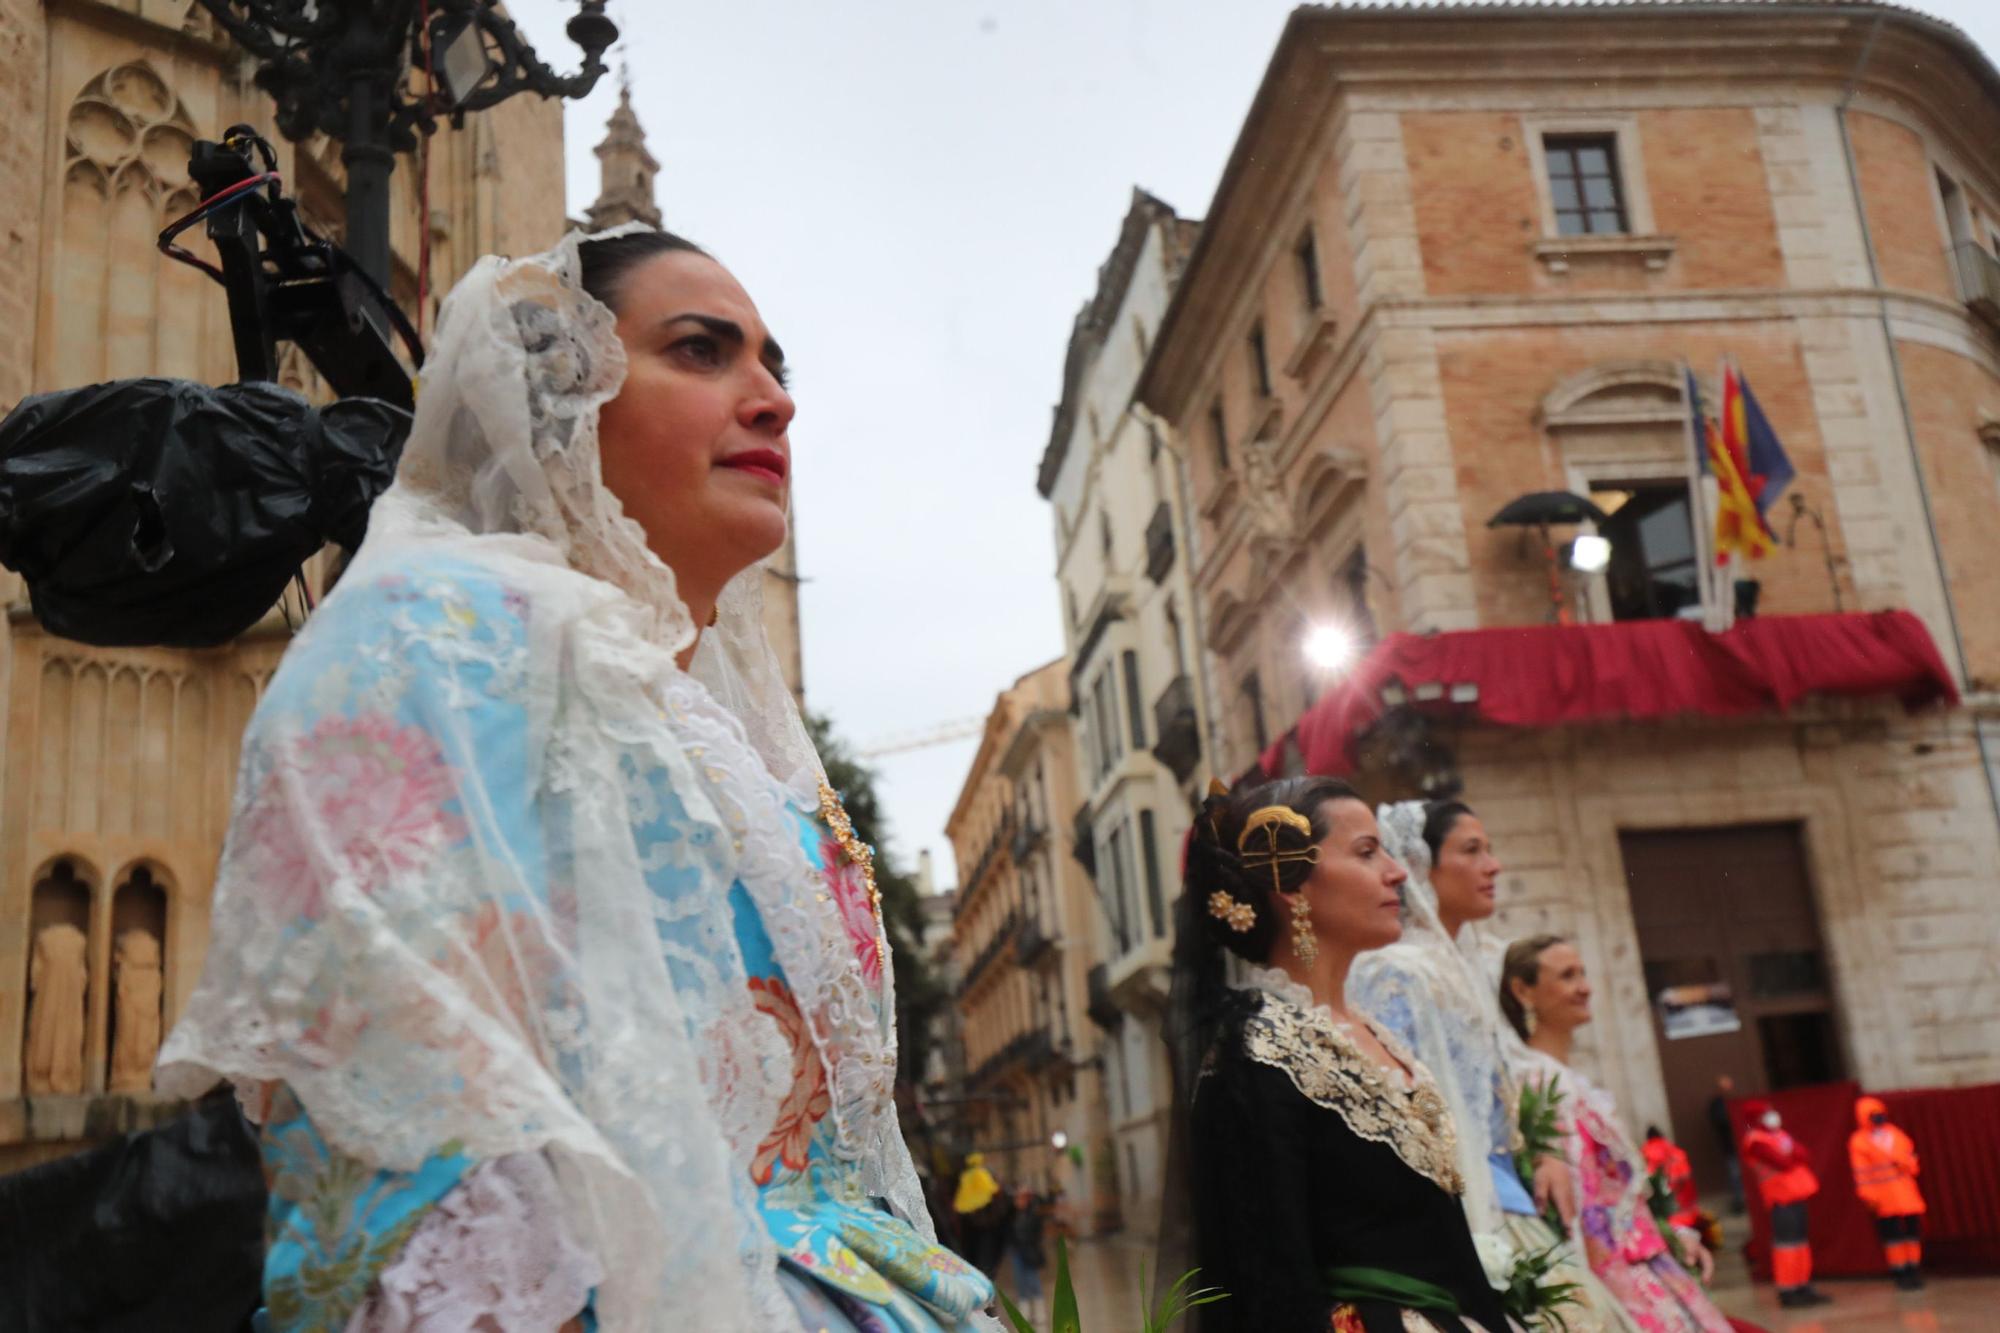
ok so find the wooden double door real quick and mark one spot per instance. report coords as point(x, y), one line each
point(1736, 970)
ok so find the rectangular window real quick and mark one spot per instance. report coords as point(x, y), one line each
point(1134, 707)
point(1219, 435)
point(1253, 699)
point(1149, 855)
point(1260, 360)
point(1120, 901)
point(1584, 185)
point(1654, 572)
point(1104, 700)
point(1307, 255)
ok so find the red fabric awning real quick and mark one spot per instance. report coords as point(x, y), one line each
point(1544, 675)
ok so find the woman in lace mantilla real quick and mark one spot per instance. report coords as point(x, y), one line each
point(1433, 990)
point(1321, 1166)
point(1546, 995)
point(546, 961)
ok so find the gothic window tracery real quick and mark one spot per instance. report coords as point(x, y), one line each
point(126, 309)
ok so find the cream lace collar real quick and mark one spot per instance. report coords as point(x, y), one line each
point(1302, 1039)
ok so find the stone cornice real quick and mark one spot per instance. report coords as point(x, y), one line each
point(1326, 54)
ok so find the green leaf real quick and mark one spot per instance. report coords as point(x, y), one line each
point(1063, 1314)
point(1014, 1315)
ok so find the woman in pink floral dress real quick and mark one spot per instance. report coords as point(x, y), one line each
point(1546, 997)
point(542, 953)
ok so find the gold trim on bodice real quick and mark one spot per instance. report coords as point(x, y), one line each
point(1331, 1071)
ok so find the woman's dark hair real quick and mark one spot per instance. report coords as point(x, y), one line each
point(1214, 861)
point(1201, 1005)
point(1440, 817)
point(608, 263)
point(1524, 960)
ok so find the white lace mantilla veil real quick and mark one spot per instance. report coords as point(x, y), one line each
point(401, 1017)
point(1442, 982)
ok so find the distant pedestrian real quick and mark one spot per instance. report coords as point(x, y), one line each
point(981, 1211)
point(1885, 1176)
point(1025, 1251)
point(1725, 1138)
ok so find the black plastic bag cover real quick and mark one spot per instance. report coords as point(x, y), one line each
point(153, 1231)
point(158, 511)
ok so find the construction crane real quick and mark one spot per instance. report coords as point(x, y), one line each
point(923, 738)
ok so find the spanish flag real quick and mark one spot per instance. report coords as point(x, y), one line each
point(1766, 467)
point(1724, 452)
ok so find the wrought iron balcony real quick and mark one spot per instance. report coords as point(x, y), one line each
point(984, 958)
point(1102, 1010)
point(1178, 727)
point(1028, 835)
point(1034, 941)
point(1978, 279)
point(1160, 543)
point(1082, 846)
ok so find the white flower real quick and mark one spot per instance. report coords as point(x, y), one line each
point(1496, 1256)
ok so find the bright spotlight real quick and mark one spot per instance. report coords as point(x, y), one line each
point(1589, 553)
point(1329, 647)
point(1059, 1140)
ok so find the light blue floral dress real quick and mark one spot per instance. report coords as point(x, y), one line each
point(335, 1224)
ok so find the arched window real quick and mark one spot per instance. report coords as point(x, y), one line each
point(127, 309)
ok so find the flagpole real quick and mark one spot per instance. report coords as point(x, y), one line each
point(1700, 499)
point(1725, 571)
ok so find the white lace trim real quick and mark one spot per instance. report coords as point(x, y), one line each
point(494, 1256)
point(567, 981)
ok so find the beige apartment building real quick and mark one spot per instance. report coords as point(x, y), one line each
point(1460, 254)
point(118, 764)
point(1118, 488)
point(1023, 945)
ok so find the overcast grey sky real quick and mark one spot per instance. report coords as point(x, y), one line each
point(918, 193)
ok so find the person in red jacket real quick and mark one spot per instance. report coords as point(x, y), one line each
point(1885, 1176)
point(1776, 1163)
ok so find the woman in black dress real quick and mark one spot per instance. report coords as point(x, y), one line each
point(1315, 1158)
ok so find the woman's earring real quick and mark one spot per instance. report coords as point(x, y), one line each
point(1304, 947)
point(1532, 1021)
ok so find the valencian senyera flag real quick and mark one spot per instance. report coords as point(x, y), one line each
point(1751, 469)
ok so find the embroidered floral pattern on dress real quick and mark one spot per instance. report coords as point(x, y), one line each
point(848, 883)
point(384, 785)
point(1326, 1066)
point(807, 1102)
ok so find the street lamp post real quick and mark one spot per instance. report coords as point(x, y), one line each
point(336, 67)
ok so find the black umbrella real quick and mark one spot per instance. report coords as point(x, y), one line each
point(1546, 508)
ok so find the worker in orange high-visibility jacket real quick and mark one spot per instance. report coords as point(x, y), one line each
point(1885, 1176)
point(1782, 1181)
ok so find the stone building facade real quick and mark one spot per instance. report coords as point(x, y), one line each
point(116, 765)
point(1118, 488)
point(1027, 933)
point(1460, 254)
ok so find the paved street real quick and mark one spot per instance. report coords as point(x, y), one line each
point(1107, 1281)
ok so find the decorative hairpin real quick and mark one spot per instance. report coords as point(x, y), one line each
point(1268, 821)
point(1239, 916)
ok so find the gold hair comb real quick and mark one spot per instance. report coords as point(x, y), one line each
point(1268, 821)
